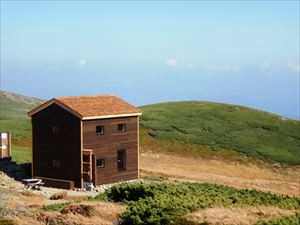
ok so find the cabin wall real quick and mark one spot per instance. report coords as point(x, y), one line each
point(107, 145)
point(64, 147)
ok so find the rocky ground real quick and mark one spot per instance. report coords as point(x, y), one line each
point(19, 205)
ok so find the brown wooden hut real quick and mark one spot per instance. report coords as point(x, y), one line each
point(85, 139)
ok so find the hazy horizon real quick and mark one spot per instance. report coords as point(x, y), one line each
point(244, 53)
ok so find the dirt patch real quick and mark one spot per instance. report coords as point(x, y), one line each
point(186, 169)
point(237, 215)
point(84, 214)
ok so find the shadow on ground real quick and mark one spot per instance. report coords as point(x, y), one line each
point(16, 171)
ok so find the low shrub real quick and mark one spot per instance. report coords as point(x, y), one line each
point(162, 203)
point(4, 221)
point(55, 207)
point(84, 210)
point(286, 220)
point(58, 195)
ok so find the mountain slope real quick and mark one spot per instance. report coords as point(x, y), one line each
point(13, 116)
point(223, 126)
point(219, 126)
point(14, 105)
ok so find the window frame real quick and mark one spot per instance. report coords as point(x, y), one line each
point(103, 163)
point(124, 127)
point(55, 130)
point(56, 163)
point(98, 133)
point(124, 167)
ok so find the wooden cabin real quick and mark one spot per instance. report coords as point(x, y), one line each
point(77, 140)
point(5, 145)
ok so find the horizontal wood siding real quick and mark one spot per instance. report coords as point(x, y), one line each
point(64, 147)
point(107, 145)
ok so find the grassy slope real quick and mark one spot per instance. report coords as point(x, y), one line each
point(221, 126)
point(20, 129)
point(192, 126)
point(15, 106)
point(13, 118)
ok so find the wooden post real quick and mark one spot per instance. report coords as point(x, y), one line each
point(1, 150)
point(9, 144)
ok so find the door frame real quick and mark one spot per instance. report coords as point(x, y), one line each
point(94, 170)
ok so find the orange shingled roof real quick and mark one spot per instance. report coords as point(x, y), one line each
point(90, 107)
point(99, 105)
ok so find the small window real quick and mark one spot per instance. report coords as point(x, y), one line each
point(121, 127)
point(55, 130)
point(100, 129)
point(56, 163)
point(121, 159)
point(100, 163)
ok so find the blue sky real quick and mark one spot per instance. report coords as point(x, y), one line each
point(147, 52)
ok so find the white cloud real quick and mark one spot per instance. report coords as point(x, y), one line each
point(266, 66)
point(82, 62)
point(294, 67)
point(230, 68)
point(172, 62)
point(190, 66)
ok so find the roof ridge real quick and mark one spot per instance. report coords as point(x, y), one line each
point(83, 96)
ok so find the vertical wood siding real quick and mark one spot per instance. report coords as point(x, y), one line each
point(107, 145)
point(65, 147)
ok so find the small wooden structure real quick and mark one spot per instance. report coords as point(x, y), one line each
point(83, 140)
point(5, 146)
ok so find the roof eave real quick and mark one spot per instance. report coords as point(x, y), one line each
point(50, 102)
point(111, 116)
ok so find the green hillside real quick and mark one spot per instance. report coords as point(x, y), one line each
point(15, 106)
point(13, 118)
point(223, 126)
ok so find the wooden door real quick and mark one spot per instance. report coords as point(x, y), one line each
point(4, 145)
point(89, 167)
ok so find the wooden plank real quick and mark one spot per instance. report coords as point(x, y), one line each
point(57, 183)
point(106, 146)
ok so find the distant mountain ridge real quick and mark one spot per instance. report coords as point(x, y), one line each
point(15, 106)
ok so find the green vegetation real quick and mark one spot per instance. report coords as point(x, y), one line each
point(225, 127)
point(21, 154)
point(203, 128)
point(286, 220)
point(13, 118)
point(162, 203)
point(20, 129)
point(15, 106)
point(55, 207)
point(4, 221)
